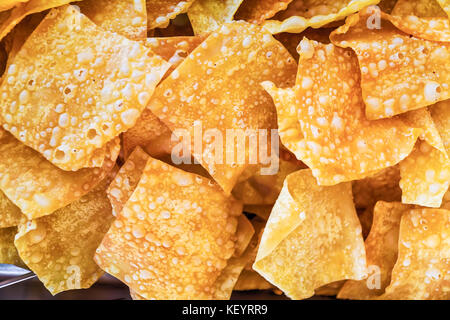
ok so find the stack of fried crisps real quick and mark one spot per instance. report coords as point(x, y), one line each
point(199, 147)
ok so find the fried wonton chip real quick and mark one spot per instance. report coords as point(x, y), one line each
point(301, 14)
point(382, 186)
point(313, 237)
point(70, 116)
point(126, 17)
point(164, 228)
point(425, 176)
point(38, 187)
point(127, 179)
point(422, 268)
point(8, 252)
point(421, 18)
point(399, 72)
point(24, 9)
point(160, 12)
point(326, 127)
point(149, 132)
point(60, 248)
point(227, 280)
point(381, 251)
point(10, 214)
point(256, 11)
point(174, 49)
point(208, 15)
point(425, 173)
point(216, 92)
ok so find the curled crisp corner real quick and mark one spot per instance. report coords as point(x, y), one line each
point(297, 24)
point(282, 221)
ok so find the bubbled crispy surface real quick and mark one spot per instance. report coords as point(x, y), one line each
point(425, 176)
point(381, 251)
point(174, 49)
point(37, 186)
point(149, 131)
point(423, 264)
point(212, 90)
point(208, 15)
point(60, 248)
point(421, 18)
point(322, 225)
point(399, 72)
point(160, 12)
point(339, 143)
point(167, 243)
point(9, 19)
point(68, 115)
point(301, 14)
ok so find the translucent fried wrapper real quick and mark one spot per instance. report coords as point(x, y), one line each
point(381, 251)
point(422, 18)
point(405, 73)
point(312, 238)
point(321, 120)
point(208, 15)
point(301, 14)
point(162, 229)
point(37, 186)
point(60, 248)
point(421, 270)
point(9, 20)
point(425, 176)
point(149, 132)
point(70, 116)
